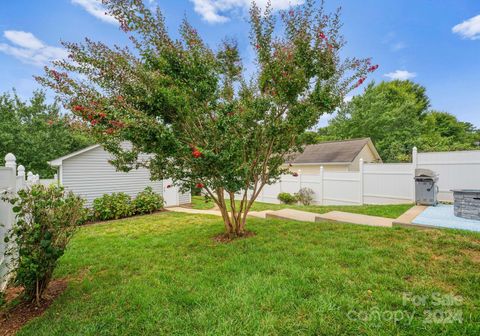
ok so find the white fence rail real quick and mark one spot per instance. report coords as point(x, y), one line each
point(12, 179)
point(383, 183)
point(457, 170)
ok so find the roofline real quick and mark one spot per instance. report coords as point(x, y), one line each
point(342, 140)
point(369, 143)
point(374, 150)
point(58, 162)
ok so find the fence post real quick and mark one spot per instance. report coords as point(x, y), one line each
point(20, 177)
point(414, 166)
point(361, 180)
point(30, 178)
point(10, 162)
point(321, 185)
point(299, 179)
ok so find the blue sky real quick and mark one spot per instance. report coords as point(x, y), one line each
point(435, 43)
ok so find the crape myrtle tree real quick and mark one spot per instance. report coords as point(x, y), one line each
point(192, 109)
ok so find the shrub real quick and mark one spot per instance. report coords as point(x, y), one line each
point(286, 198)
point(46, 220)
point(305, 196)
point(147, 201)
point(112, 206)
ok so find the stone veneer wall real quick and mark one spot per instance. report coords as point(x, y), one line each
point(467, 204)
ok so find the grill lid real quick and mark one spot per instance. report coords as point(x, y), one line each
point(419, 172)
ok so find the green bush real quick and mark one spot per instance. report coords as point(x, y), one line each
point(287, 198)
point(112, 206)
point(305, 196)
point(46, 218)
point(147, 202)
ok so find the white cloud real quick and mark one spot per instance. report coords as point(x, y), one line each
point(29, 49)
point(95, 8)
point(398, 46)
point(401, 75)
point(469, 29)
point(216, 11)
point(23, 39)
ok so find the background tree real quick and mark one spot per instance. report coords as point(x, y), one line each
point(443, 132)
point(36, 132)
point(191, 107)
point(395, 116)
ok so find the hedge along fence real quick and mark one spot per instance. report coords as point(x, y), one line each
point(120, 205)
point(12, 179)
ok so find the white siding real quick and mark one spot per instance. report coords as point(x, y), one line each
point(185, 198)
point(90, 175)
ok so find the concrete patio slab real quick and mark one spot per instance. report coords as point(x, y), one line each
point(352, 218)
point(442, 216)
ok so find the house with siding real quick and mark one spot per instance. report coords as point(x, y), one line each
point(340, 156)
point(89, 174)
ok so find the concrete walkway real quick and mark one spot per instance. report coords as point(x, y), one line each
point(305, 216)
point(407, 218)
point(293, 214)
point(352, 218)
point(257, 214)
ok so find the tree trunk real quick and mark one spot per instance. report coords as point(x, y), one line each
point(232, 214)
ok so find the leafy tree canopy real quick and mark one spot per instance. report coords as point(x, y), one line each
point(36, 132)
point(396, 116)
point(192, 109)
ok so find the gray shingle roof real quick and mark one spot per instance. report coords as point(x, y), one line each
point(330, 152)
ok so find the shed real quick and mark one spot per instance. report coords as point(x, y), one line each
point(89, 174)
point(342, 155)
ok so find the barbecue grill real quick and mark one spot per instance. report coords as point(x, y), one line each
point(426, 188)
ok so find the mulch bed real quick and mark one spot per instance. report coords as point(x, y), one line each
point(225, 238)
point(16, 317)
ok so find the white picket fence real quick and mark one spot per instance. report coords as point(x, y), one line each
point(12, 179)
point(383, 183)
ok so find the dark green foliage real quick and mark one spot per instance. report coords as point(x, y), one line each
point(147, 201)
point(46, 219)
point(305, 196)
point(287, 198)
point(112, 206)
point(395, 116)
point(192, 108)
point(37, 132)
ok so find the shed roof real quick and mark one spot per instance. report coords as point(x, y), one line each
point(344, 151)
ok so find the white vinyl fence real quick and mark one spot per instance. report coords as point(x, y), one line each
point(383, 183)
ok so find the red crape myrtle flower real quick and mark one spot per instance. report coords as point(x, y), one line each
point(199, 185)
point(295, 174)
point(196, 153)
point(78, 108)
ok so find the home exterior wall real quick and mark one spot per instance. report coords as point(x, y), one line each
point(366, 154)
point(90, 175)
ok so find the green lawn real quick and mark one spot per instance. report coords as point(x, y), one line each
point(389, 211)
point(163, 274)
